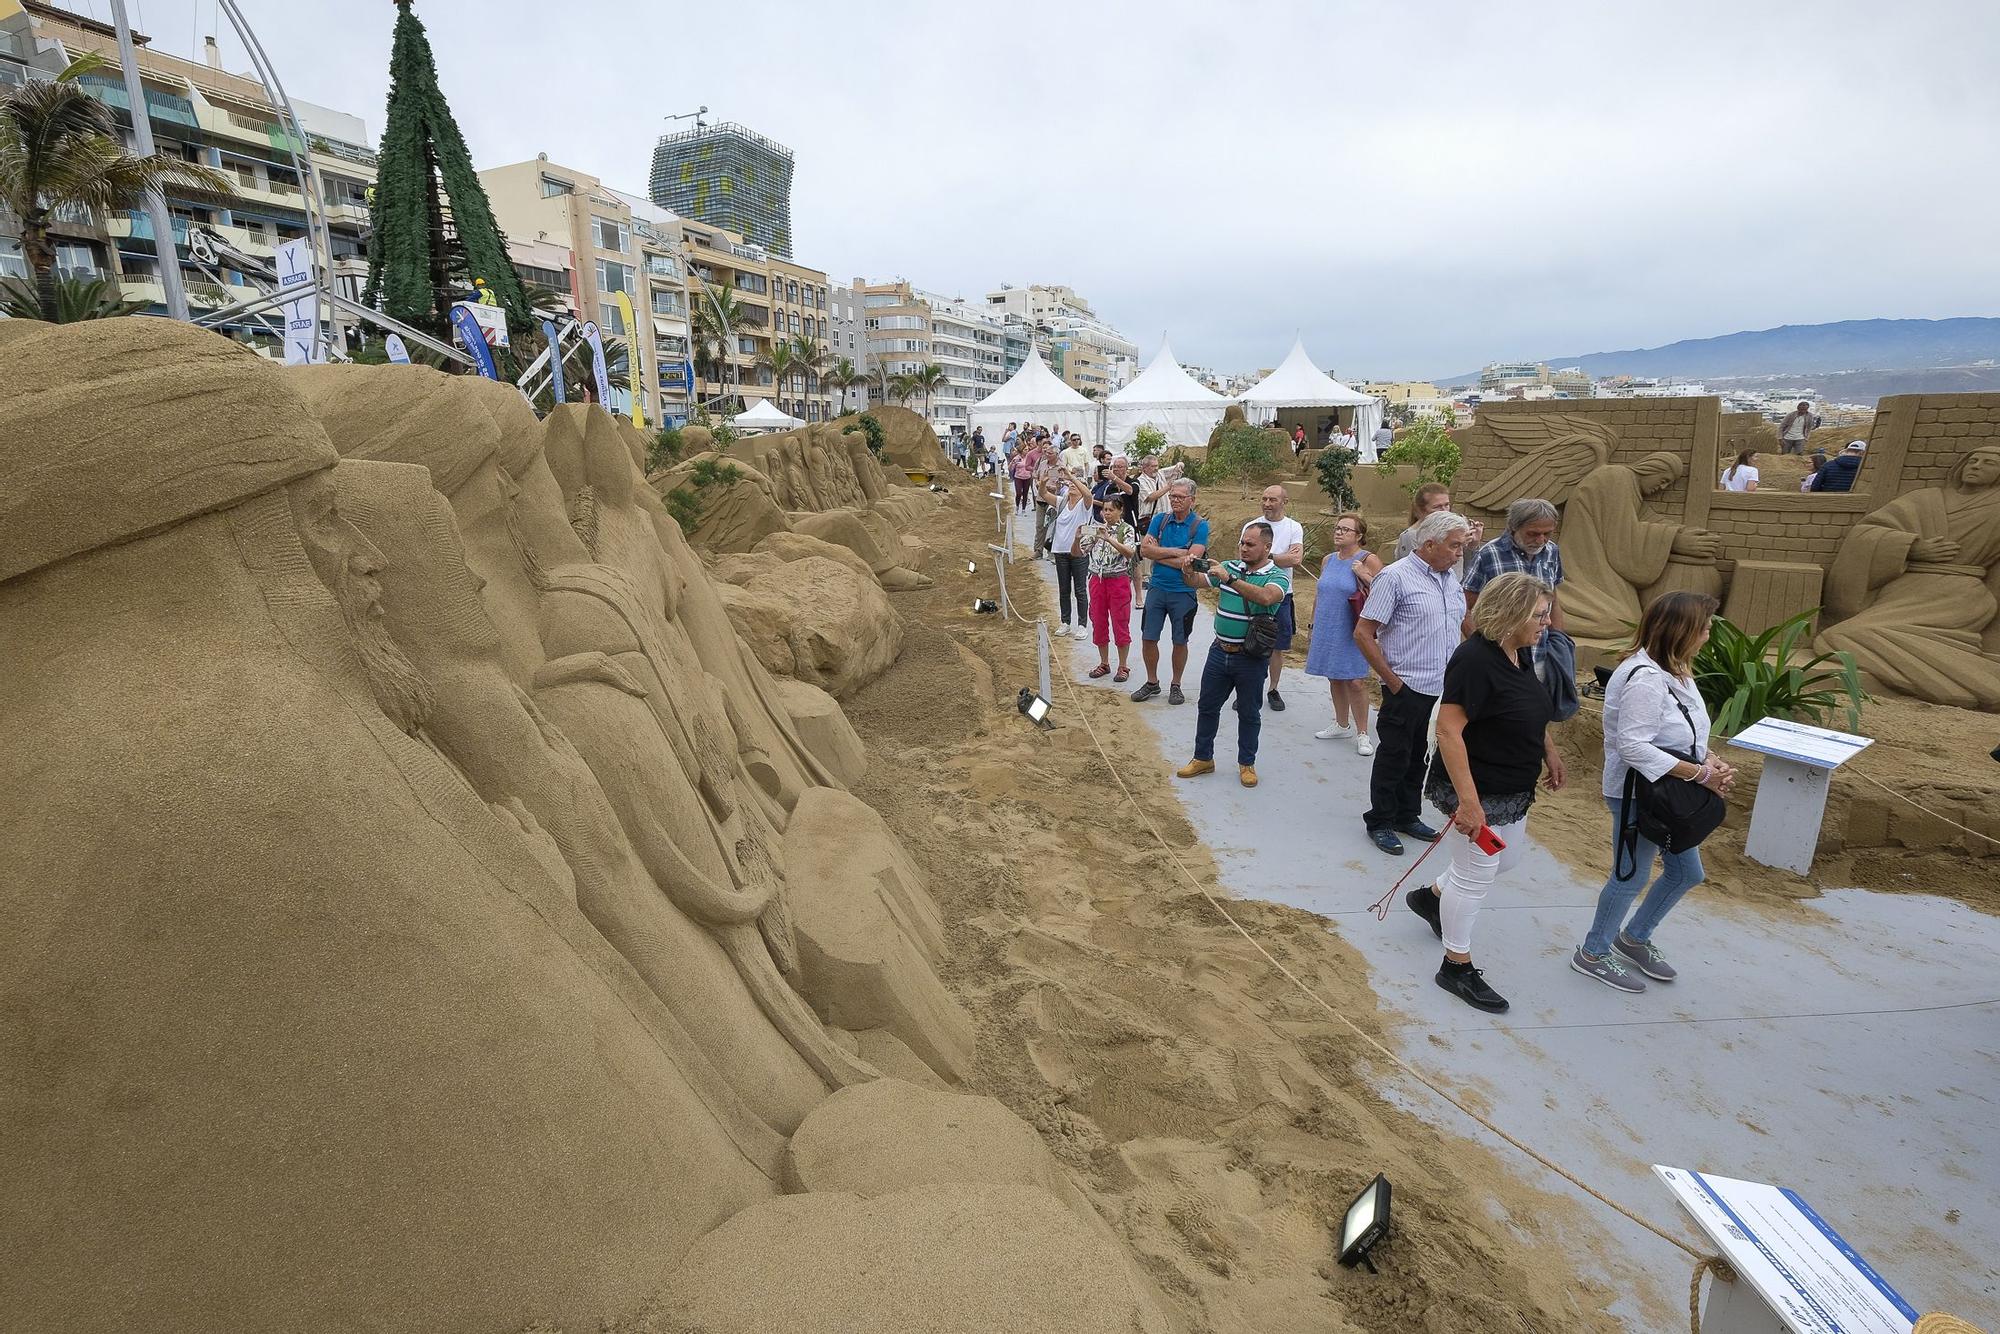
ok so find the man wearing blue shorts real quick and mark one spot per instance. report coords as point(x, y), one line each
point(1171, 540)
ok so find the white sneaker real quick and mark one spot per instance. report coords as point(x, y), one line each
point(1364, 745)
point(1334, 732)
point(1063, 631)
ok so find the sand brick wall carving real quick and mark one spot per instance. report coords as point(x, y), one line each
point(1684, 426)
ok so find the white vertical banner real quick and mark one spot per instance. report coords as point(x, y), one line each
point(295, 266)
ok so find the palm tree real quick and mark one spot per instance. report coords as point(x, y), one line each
point(76, 299)
point(843, 378)
point(883, 381)
point(716, 320)
point(928, 379)
point(60, 148)
point(782, 362)
point(903, 386)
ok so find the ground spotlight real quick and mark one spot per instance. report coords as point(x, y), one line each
point(1366, 1222)
point(1033, 707)
point(972, 567)
point(984, 606)
point(940, 490)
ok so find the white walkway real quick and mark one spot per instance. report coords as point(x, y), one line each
point(1848, 1049)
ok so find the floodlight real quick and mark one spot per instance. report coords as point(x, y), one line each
point(940, 490)
point(1033, 706)
point(972, 567)
point(984, 607)
point(1365, 1224)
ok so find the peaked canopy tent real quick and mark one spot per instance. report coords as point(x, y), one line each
point(765, 417)
point(1166, 396)
point(1297, 383)
point(1035, 394)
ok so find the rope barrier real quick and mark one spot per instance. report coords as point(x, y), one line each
point(1704, 1263)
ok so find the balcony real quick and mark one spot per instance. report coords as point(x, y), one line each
point(353, 215)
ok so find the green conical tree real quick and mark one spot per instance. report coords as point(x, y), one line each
point(417, 265)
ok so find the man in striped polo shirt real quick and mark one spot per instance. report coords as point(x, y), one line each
point(1409, 627)
point(1249, 586)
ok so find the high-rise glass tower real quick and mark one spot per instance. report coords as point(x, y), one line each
point(728, 176)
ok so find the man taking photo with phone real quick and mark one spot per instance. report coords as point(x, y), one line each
point(1250, 591)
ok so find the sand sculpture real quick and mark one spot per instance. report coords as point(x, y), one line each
point(908, 442)
point(1613, 547)
point(1913, 589)
point(1915, 538)
point(424, 912)
point(288, 1002)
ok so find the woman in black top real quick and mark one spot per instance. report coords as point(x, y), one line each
point(1492, 745)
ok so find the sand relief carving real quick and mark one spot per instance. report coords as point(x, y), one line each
point(1914, 589)
point(660, 751)
point(291, 883)
point(1616, 551)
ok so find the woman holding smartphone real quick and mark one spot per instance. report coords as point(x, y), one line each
point(1492, 746)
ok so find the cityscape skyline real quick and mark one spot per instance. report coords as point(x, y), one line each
point(1612, 247)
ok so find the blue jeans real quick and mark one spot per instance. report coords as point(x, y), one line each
point(1222, 675)
point(1679, 872)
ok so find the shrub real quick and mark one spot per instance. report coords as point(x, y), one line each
point(872, 428)
point(1743, 679)
point(1334, 468)
point(1429, 446)
point(687, 501)
point(1149, 441)
point(666, 449)
point(1241, 453)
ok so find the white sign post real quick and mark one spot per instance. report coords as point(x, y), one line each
point(1791, 797)
point(295, 269)
point(1795, 1275)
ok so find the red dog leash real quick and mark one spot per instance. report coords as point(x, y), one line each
point(1381, 906)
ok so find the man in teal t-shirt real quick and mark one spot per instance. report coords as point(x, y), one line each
point(1250, 588)
point(1175, 536)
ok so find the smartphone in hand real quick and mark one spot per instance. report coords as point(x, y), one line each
point(1489, 842)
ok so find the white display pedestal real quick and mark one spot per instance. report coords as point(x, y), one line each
point(1794, 1274)
point(1791, 797)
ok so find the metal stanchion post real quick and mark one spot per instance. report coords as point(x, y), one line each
point(1042, 653)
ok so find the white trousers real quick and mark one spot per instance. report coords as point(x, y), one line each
point(1462, 888)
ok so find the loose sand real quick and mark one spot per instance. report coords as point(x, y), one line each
point(1215, 1117)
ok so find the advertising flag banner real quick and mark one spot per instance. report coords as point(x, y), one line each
point(597, 366)
point(295, 268)
point(555, 360)
point(473, 338)
point(635, 366)
point(393, 345)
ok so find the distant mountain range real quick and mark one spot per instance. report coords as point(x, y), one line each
point(1806, 349)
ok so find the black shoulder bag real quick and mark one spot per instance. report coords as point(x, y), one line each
point(1671, 813)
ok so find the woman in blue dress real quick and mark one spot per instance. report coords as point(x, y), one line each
point(1332, 654)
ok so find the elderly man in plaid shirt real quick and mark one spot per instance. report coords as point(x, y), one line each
point(1527, 547)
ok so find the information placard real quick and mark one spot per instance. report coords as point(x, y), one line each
point(1821, 747)
point(1811, 1279)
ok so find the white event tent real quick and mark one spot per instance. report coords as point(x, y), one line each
point(1297, 383)
point(1166, 396)
point(765, 417)
point(1035, 394)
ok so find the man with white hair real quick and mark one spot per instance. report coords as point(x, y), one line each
point(1408, 629)
point(1287, 550)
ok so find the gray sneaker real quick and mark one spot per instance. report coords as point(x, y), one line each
point(1648, 959)
point(1607, 970)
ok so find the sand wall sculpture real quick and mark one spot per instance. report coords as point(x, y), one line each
point(1906, 566)
point(424, 913)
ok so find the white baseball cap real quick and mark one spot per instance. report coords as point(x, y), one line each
point(1858, 446)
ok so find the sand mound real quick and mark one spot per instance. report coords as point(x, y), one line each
point(815, 620)
point(941, 1259)
point(797, 546)
point(908, 441)
point(737, 517)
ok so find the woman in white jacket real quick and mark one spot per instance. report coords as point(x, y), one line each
point(1651, 706)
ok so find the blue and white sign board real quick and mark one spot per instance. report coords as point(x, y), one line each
point(1791, 796)
point(1807, 1279)
point(295, 269)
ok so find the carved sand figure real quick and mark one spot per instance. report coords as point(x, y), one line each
point(1916, 585)
point(282, 1001)
point(631, 696)
point(510, 753)
point(1613, 548)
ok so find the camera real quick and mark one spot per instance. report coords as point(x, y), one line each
point(1201, 565)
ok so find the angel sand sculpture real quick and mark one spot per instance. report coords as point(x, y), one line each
point(1914, 589)
point(1615, 551)
point(399, 889)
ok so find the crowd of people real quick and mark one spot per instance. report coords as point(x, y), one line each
point(1462, 636)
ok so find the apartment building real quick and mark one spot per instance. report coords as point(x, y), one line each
point(1073, 334)
point(731, 177)
point(849, 342)
point(770, 297)
point(1507, 377)
point(612, 243)
point(907, 328)
point(202, 113)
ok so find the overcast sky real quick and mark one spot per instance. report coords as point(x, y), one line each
point(1417, 188)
